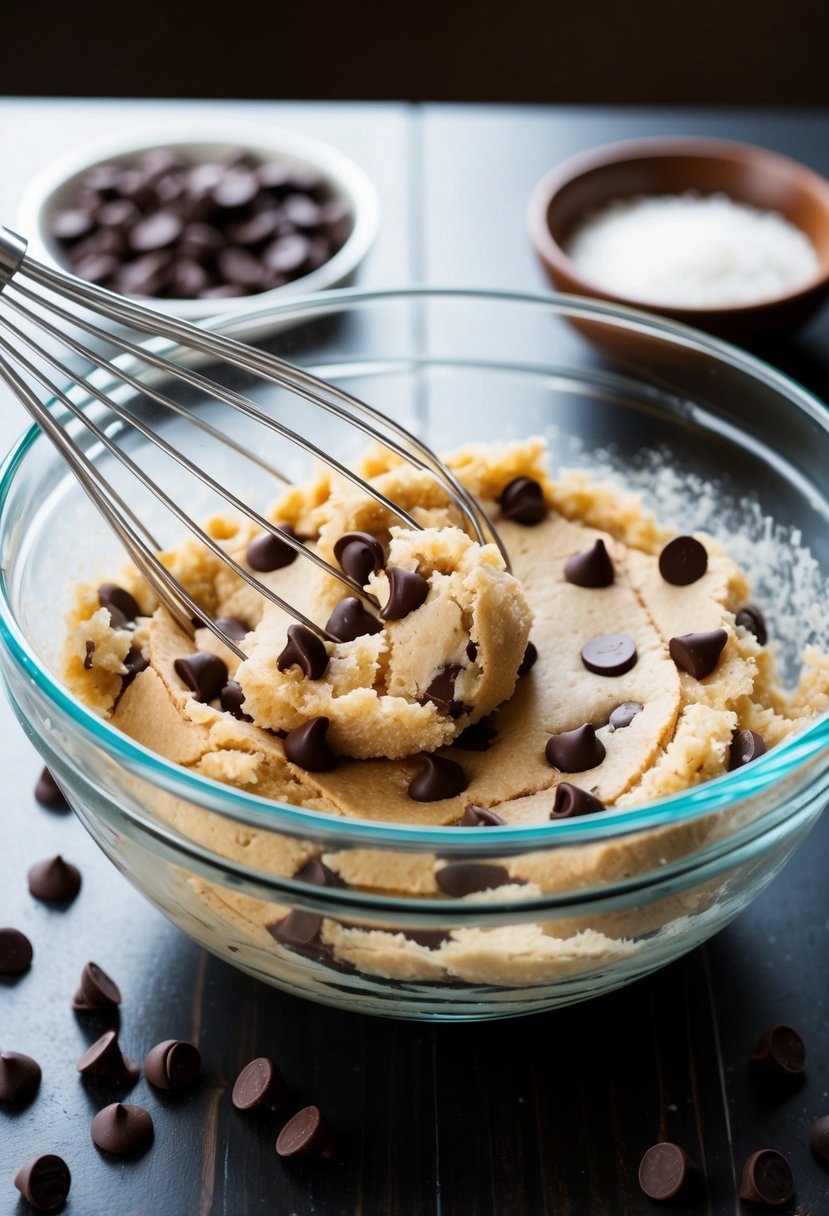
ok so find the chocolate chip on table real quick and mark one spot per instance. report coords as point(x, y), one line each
point(120, 604)
point(590, 568)
point(612, 654)
point(698, 653)
point(298, 930)
point(407, 591)
point(319, 874)
point(819, 1137)
point(204, 673)
point(351, 620)
point(570, 801)
point(360, 554)
point(767, 1179)
point(466, 877)
point(260, 1085)
point(232, 627)
point(575, 751)
point(480, 817)
point(522, 501)
point(306, 650)
point(19, 1077)
point(528, 661)
point(48, 792)
point(780, 1051)
point(307, 746)
point(751, 618)
point(231, 699)
point(267, 552)
point(441, 691)
point(172, 1064)
point(105, 1059)
point(306, 1135)
point(746, 745)
point(15, 952)
point(478, 737)
point(54, 879)
point(623, 714)
point(437, 779)
point(122, 1129)
point(666, 1172)
point(44, 1182)
point(683, 560)
point(97, 990)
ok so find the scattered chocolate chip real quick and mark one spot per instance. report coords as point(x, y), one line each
point(267, 552)
point(318, 873)
point(666, 1171)
point(97, 990)
point(306, 650)
point(359, 555)
point(120, 604)
point(123, 1130)
point(172, 1064)
point(575, 751)
point(54, 879)
point(522, 501)
point(432, 939)
point(437, 779)
point(751, 618)
point(48, 792)
point(819, 1137)
point(466, 877)
point(698, 653)
point(471, 651)
point(351, 620)
point(205, 674)
point(44, 1182)
point(683, 560)
point(259, 1085)
point(15, 952)
point(779, 1050)
point(528, 661)
point(612, 654)
point(746, 745)
point(570, 800)
point(480, 817)
point(231, 699)
point(441, 691)
point(306, 1135)
point(135, 663)
point(478, 737)
point(590, 568)
point(232, 627)
point(407, 591)
point(767, 1179)
point(19, 1077)
point(623, 714)
point(298, 929)
point(105, 1059)
point(307, 747)
point(90, 651)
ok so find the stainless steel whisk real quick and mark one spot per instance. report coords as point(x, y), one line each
point(36, 295)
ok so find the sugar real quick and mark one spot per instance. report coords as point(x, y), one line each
point(692, 251)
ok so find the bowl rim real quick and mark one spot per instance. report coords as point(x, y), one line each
point(683, 807)
point(656, 147)
point(349, 180)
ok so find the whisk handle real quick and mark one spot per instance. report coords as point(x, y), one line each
point(12, 252)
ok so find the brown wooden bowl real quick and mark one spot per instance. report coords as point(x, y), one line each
point(746, 174)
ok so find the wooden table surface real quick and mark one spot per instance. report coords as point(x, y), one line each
point(545, 1115)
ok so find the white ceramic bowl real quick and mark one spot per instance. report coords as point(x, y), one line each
point(50, 189)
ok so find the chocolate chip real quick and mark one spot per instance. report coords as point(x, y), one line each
point(612, 654)
point(71, 224)
point(240, 266)
point(44, 1182)
point(751, 618)
point(522, 501)
point(698, 653)
point(351, 620)
point(90, 651)
point(478, 737)
point(232, 627)
point(306, 746)
point(466, 877)
point(746, 745)
point(288, 255)
point(19, 1077)
point(441, 691)
point(666, 1171)
point(528, 661)
point(205, 674)
point(590, 568)
point(623, 714)
point(48, 792)
point(306, 650)
point(471, 651)
point(267, 552)
point(135, 663)
point(104, 1059)
point(172, 1064)
point(683, 560)
point(298, 930)
point(97, 990)
point(360, 554)
point(570, 800)
point(157, 231)
point(407, 591)
point(767, 1179)
point(575, 751)
point(54, 879)
point(819, 1137)
point(779, 1050)
point(236, 188)
point(432, 939)
point(231, 699)
point(259, 1085)
point(123, 1130)
point(255, 229)
point(479, 817)
point(306, 1135)
point(120, 604)
point(15, 952)
point(318, 873)
point(437, 779)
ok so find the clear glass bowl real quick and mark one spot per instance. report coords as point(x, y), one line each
point(621, 893)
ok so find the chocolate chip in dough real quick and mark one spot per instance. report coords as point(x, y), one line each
point(522, 502)
point(54, 879)
point(359, 554)
point(319, 874)
point(780, 1051)
point(232, 627)
point(260, 1085)
point(298, 930)
point(698, 653)
point(306, 650)
point(96, 990)
point(267, 552)
point(528, 661)
point(15, 952)
point(306, 1135)
point(666, 1172)
point(407, 591)
point(819, 1137)
point(306, 746)
point(767, 1179)
point(44, 1182)
point(204, 673)
point(441, 691)
point(90, 652)
point(123, 1130)
point(480, 817)
point(623, 714)
point(19, 1077)
point(466, 877)
point(48, 792)
point(683, 560)
point(570, 801)
point(172, 1064)
point(751, 618)
point(437, 779)
point(135, 663)
point(231, 699)
point(105, 1059)
point(351, 620)
point(612, 654)
point(575, 751)
point(121, 606)
point(746, 745)
point(590, 568)
point(478, 737)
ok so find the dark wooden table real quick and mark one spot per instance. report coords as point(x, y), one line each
point(546, 1115)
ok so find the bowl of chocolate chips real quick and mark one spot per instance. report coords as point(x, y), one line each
point(202, 222)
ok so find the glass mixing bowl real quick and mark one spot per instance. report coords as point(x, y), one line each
point(712, 437)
